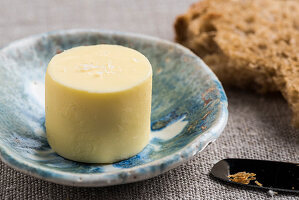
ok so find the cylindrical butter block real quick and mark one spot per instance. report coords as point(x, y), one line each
point(98, 103)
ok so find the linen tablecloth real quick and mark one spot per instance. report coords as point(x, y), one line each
point(258, 126)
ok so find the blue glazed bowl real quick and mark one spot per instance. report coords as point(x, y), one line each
point(189, 109)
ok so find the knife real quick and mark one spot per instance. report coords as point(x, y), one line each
point(271, 175)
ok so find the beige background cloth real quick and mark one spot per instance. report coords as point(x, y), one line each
point(258, 126)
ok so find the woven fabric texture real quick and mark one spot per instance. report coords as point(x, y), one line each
point(258, 126)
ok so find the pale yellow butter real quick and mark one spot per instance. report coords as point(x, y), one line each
point(98, 103)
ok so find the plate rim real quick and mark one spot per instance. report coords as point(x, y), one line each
point(128, 174)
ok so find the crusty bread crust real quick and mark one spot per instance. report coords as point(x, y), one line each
point(247, 43)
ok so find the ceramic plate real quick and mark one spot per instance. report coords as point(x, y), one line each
point(189, 109)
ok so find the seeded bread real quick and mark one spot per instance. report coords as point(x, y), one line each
point(247, 43)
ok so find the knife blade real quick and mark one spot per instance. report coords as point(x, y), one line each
point(271, 175)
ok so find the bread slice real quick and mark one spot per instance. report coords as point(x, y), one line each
point(247, 43)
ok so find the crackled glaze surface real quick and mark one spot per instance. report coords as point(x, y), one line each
point(189, 109)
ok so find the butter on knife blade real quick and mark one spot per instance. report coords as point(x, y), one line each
point(271, 175)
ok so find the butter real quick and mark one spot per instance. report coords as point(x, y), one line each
point(98, 103)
